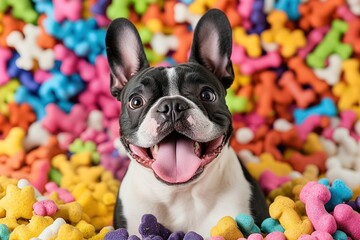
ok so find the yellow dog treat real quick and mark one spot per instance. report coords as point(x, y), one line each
point(284, 210)
point(226, 228)
point(267, 162)
point(13, 143)
point(18, 202)
point(33, 229)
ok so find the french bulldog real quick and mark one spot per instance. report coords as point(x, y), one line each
point(176, 126)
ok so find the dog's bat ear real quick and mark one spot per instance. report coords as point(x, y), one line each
point(125, 53)
point(212, 45)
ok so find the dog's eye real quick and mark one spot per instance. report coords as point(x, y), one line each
point(136, 102)
point(207, 95)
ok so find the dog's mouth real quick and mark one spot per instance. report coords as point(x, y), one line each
point(177, 159)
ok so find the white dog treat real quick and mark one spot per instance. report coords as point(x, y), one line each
point(28, 49)
point(244, 135)
point(331, 74)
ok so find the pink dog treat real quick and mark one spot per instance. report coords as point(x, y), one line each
point(308, 126)
point(217, 238)
point(275, 236)
point(249, 66)
point(345, 13)
point(45, 208)
point(317, 235)
point(70, 63)
point(41, 76)
point(67, 9)
point(348, 119)
point(269, 181)
point(302, 97)
point(245, 9)
point(57, 121)
point(314, 37)
point(347, 220)
point(315, 196)
point(5, 55)
point(64, 194)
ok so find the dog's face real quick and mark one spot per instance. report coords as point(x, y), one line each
point(174, 120)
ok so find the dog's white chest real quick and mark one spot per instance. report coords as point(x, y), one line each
point(220, 191)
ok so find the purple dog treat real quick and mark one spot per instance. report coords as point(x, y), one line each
point(133, 237)
point(153, 237)
point(150, 226)
point(118, 234)
point(193, 236)
point(176, 236)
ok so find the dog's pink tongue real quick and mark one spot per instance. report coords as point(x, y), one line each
point(176, 161)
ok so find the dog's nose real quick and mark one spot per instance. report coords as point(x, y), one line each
point(172, 109)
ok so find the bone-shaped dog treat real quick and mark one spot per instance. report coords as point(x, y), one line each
point(309, 124)
point(352, 35)
point(29, 50)
point(246, 224)
point(249, 66)
point(302, 97)
point(305, 75)
point(330, 44)
point(317, 235)
point(250, 42)
point(342, 136)
point(12, 144)
point(330, 74)
point(44, 39)
point(70, 10)
point(347, 220)
point(340, 193)
point(348, 90)
point(51, 231)
point(354, 6)
point(58, 121)
point(182, 15)
point(315, 196)
point(313, 38)
point(5, 55)
point(244, 9)
point(227, 228)
point(317, 13)
point(278, 34)
point(270, 225)
point(269, 181)
point(10, 24)
point(335, 170)
point(325, 107)
point(283, 209)
point(290, 7)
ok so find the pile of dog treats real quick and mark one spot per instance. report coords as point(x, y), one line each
point(295, 103)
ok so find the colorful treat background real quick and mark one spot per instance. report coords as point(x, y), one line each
point(295, 103)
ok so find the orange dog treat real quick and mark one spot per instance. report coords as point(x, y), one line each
point(267, 92)
point(303, 98)
point(9, 24)
point(299, 161)
point(352, 35)
point(318, 13)
point(184, 36)
point(48, 151)
point(305, 75)
point(44, 40)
